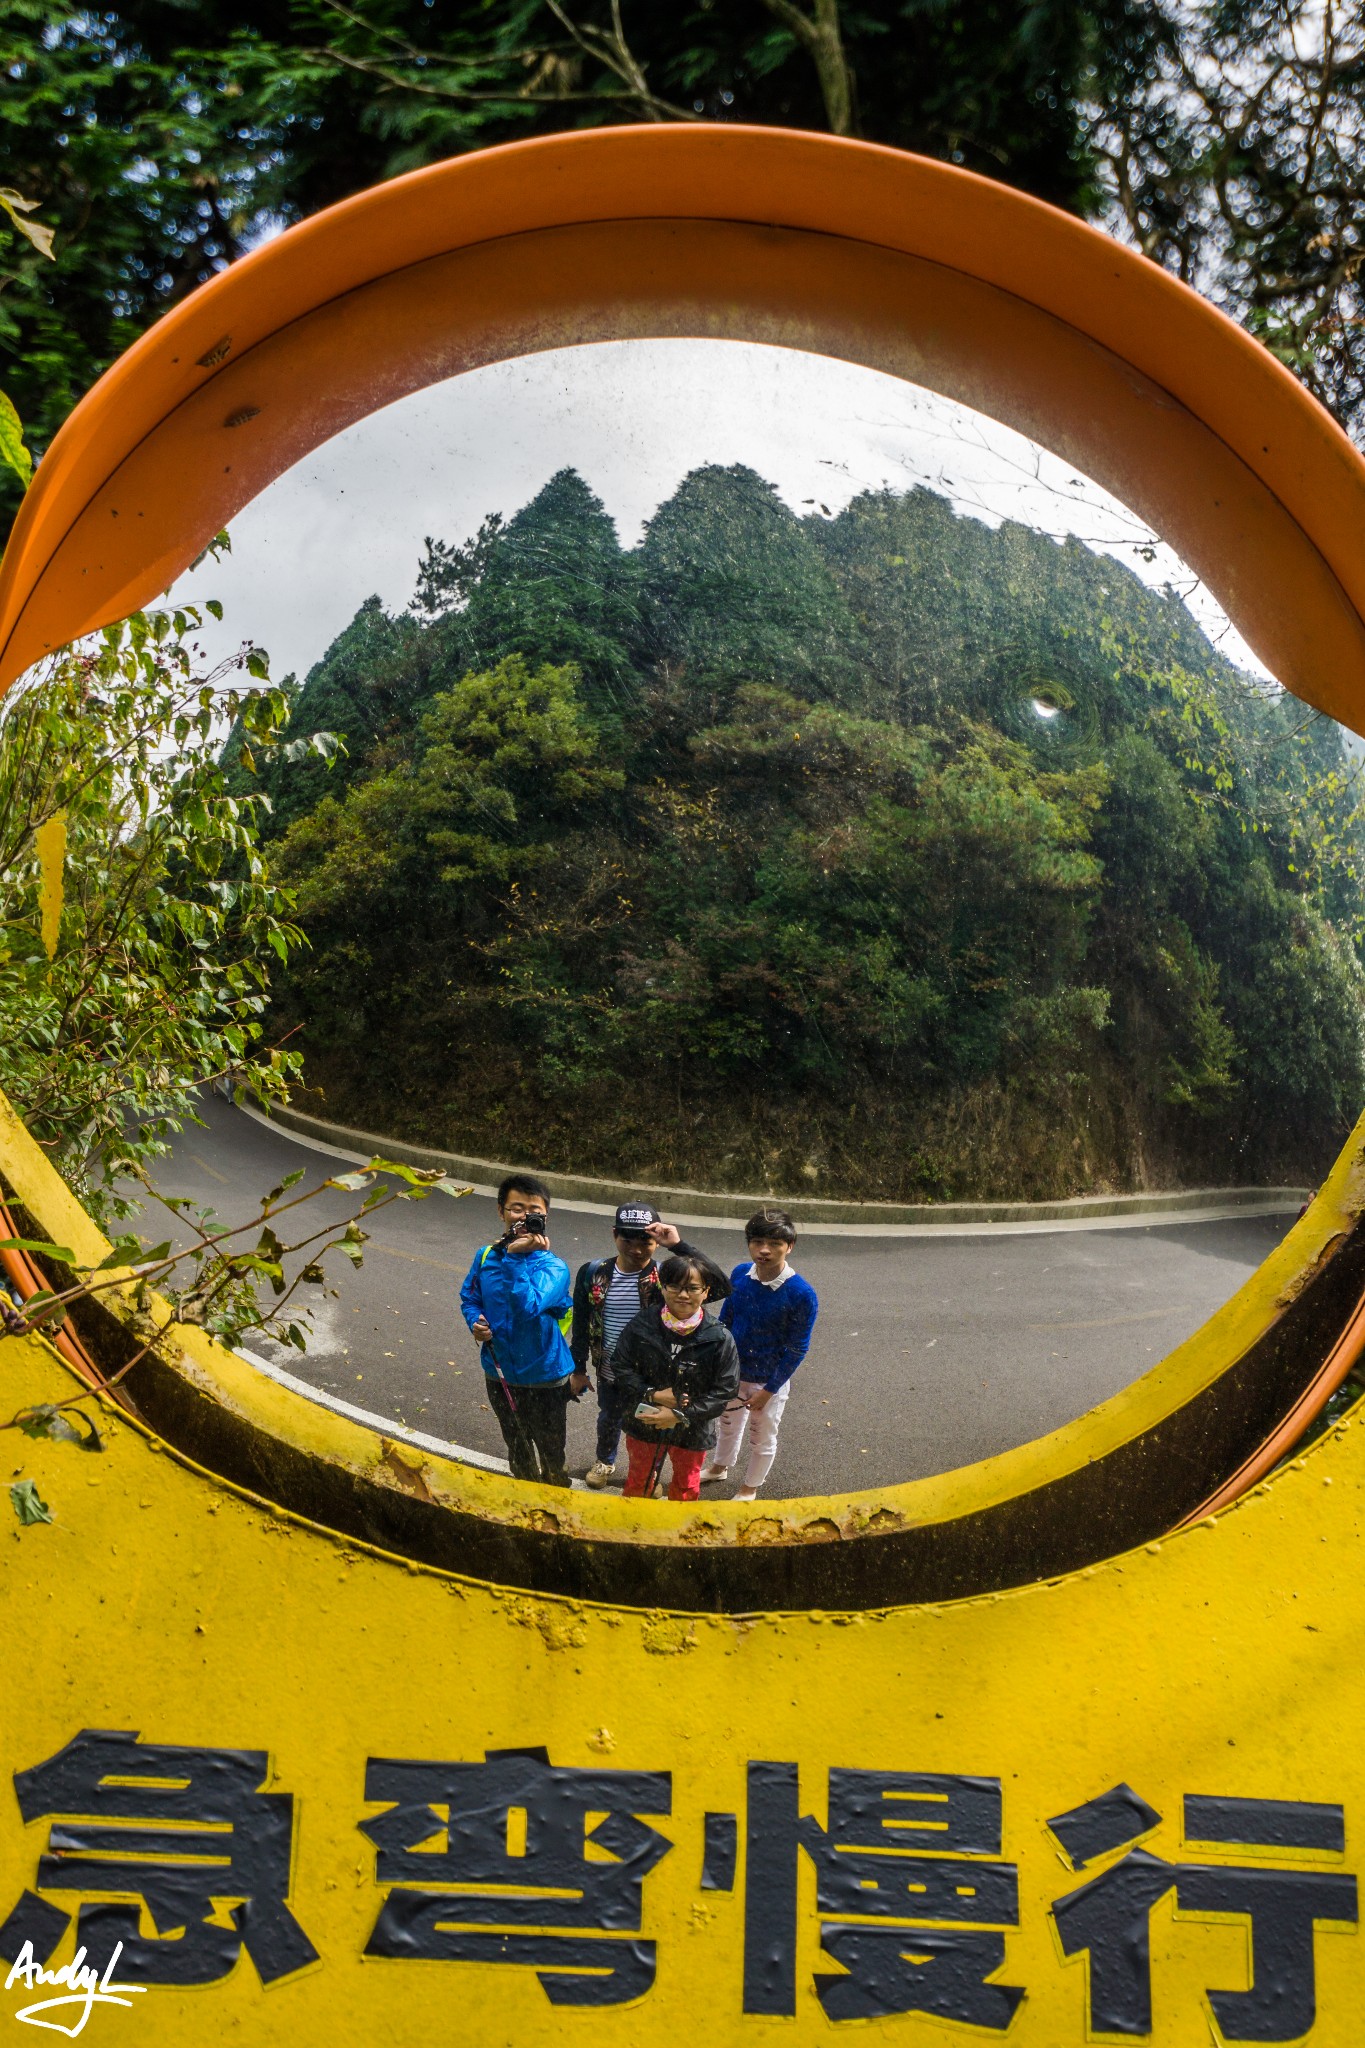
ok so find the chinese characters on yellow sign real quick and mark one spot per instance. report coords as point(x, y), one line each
point(509, 1860)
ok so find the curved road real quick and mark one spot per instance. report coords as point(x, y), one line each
point(930, 1352)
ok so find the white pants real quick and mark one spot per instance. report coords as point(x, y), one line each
point(763, 1427)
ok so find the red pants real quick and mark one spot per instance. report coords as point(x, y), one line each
point(684, 1478)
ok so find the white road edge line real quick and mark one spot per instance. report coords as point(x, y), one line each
point(384, 1424)
point(459, 1454)
point(1054, 1227)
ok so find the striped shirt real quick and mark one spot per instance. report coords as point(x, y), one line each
point(620, 1306)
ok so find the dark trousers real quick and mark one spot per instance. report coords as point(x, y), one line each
point(534, 1424)
point(611, 1411)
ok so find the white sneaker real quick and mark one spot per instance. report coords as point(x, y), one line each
point(745, 1493)
point(711, 1475)
point(599, 1474)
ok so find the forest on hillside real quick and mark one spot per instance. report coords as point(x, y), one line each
point(886, 854)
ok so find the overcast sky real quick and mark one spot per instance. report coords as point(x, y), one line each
point(633, 417)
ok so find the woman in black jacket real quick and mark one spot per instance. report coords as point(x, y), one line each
point(676, 1371)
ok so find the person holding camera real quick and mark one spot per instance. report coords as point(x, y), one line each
point(608, 1294)
point(677, 1369)
point(516, 1300)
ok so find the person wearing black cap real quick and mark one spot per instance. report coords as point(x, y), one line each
point(608, 1294)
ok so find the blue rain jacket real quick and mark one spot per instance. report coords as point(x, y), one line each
point(528, 1300)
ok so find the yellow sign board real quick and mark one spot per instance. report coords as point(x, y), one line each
point(323, 1796)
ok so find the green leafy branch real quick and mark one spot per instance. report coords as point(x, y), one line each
point(16, 209)
point(146, 973)
point(222, 1279)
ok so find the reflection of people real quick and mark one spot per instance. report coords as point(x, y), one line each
point(676, 1370)
point(608, 1294)
point(772, 1312)
point(516, 1301)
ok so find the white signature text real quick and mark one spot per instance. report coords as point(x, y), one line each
point(86, 1988)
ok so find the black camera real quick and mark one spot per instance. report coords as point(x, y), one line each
point(535, 1223)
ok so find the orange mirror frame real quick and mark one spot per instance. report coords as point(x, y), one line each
point(750, 234)
point(882, 259)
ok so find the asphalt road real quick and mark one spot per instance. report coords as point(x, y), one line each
point(928, 1353)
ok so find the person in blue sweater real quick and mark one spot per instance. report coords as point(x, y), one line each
point(771, 1314)
point(516, 1299)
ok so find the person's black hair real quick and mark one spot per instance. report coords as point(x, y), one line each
point(770, 1223)
point(678, 1265)
point(522, 1184)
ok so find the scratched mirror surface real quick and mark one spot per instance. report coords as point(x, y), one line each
point(768, 779)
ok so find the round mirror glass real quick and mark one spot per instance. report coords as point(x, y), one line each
point(766, 782)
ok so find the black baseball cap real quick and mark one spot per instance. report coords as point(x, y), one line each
point(634, 1218)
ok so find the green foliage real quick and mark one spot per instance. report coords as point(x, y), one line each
point(1228, 138)
point(144, 167)
point(213, 1282)
point(17, 211)
point(880, 935)
point(159, 141)
point(739, 591)
point(169, 916)
point(59, 1426)
point(554, 584)
point(234, 1288)
point(374, 675)
point(502, 759)
point(935, 859)
point(28, 1504)
point(13, 454)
